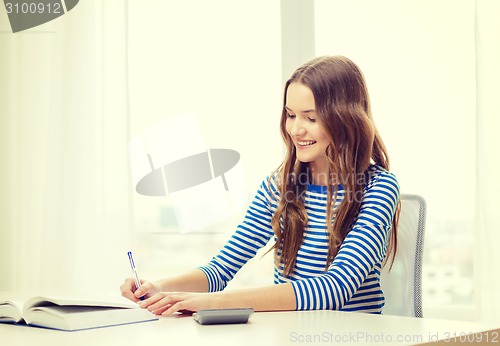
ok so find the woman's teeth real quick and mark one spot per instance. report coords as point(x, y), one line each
point(305, 143)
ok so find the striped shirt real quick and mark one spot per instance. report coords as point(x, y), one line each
point(351, 282)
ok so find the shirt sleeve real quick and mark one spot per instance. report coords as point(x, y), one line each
point(364, 246)
point(252, 234)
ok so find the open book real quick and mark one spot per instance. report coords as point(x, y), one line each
point(68, 313)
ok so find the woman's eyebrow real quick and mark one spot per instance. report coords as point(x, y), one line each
point(303, 112)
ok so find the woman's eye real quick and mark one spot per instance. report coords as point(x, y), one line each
point(312, 120)
point(291, 116)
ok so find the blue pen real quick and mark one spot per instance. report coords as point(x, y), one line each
point(132, 265)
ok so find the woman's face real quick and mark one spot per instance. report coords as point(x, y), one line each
point(303, 126)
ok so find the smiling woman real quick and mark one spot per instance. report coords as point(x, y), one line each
point(332, 142)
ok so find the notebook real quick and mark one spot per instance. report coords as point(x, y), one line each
point(70, 313)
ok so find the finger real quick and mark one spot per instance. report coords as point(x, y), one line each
point(145, 288)
point(127, 285)
point(177, 307)
point(148, 303)
point(161, 310)
point(126, 290)
point(130, 295)
point(160, 303)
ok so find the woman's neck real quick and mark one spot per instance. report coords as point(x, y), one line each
point(319, 172)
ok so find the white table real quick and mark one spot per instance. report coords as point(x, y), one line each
point(271, 328)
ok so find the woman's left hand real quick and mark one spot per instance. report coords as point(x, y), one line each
point(168, 303)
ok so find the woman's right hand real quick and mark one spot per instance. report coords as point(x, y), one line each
point(147, 289)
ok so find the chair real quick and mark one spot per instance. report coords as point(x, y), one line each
point(402, 285)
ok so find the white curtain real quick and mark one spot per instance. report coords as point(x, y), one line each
point(64, 182)
point(488, 160)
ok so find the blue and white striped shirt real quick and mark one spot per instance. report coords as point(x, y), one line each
point(351, 282)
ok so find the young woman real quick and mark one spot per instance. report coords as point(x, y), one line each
point(331, 208)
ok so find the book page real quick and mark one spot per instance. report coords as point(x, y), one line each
point(11, 306)
point(95, 300)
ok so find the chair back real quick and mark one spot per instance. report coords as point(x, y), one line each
point(402, 284)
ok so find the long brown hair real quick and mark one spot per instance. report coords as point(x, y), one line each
point(343, 109)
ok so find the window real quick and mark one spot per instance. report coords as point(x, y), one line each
point(215, 60)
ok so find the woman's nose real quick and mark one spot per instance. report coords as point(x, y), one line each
point(298, 129)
